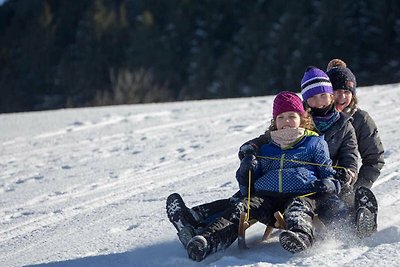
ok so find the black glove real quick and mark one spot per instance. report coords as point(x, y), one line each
point(327, 186)
point(247, 149)
point(344, 176)
point(248, 163)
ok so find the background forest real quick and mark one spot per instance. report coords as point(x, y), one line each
point(60, 53)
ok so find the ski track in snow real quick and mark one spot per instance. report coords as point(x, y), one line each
point(87, 187)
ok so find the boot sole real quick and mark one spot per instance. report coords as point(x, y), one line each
point(291, 242)
point(366, 222)
point(174, 207)
point(366, 212)
point(365, 198)
point(197, 248)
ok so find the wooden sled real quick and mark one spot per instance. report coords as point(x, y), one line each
point(279, 224)
point(243, 225)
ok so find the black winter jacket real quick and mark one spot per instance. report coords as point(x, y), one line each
point(342, 143)
point(370, 148)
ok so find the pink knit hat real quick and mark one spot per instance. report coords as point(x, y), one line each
point(287, 101)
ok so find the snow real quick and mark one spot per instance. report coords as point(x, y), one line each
point(87, 187)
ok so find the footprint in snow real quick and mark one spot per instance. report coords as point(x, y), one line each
point(113, 175)
point(236, 128)
point(66, 167)
point(133, 226)
point(180, 150)
point(57, 193)
point(77, 123)
point(195, 146)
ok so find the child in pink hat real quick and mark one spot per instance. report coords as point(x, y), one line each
point(288, 174)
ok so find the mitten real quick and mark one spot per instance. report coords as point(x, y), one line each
point(327, 186)
point(344, 176)
point(248, 163)
point(247, 149)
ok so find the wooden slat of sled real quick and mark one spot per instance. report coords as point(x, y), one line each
point(279, 224)
point(243, 225)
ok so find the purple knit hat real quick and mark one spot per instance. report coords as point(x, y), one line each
point(315, 82)
point(287, 101)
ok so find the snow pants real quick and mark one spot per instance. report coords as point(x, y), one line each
point(298, 214)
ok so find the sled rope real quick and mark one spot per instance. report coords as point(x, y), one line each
point(302, 162)
point(248, 199)
point(309, 194)
point(290, 160)
point(245, 221)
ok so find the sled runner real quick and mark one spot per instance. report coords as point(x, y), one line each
point(244, 224)
point(279, 224)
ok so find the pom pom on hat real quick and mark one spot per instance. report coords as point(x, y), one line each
point(287, 101)
point(336, 63)
point(315, 82)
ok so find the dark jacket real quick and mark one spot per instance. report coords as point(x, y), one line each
point(285, 172)
point(341, 139)
point(342, 143)
point(369, 146)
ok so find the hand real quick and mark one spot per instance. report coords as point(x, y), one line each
point(248, 163)
point(327, 186)
point(247, 149)
point(344, 176)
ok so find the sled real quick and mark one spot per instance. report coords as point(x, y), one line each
point(279, 224)
point(243, 225)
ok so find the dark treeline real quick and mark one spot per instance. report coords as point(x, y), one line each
point(62, 53)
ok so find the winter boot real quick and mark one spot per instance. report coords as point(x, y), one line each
point(198, 248)
point(178, 214)
point(294, 241)
point(185, 234)
point(366, 208)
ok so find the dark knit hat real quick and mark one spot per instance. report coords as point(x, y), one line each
point(287, 101)
point(342, 78)
point(315, 82)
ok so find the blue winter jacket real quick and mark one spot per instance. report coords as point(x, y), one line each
point(281, 172)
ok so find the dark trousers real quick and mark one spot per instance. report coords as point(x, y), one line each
point(223, 231)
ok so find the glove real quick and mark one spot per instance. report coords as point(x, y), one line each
point(248, 163)
point(327, 186)
point(247, 149)
point(344, 176)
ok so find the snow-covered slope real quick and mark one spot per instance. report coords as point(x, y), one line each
point(87, 187)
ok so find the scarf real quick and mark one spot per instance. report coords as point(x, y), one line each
point(323, 123)
point(285, 138)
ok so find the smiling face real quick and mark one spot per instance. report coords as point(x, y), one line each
point(342, 98)
point(288, 119)
point(320, 100)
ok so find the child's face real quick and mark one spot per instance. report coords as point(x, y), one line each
point(342, 98)
point(288, 119)
point(320, 100)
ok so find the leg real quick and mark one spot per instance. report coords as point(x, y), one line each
point(178, 213)
point(216, 236)
point(211, 210)
point(298, 216)
point(187, 221)
point(183, 219)
point(222, 232)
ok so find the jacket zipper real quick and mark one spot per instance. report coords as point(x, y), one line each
point(280, 172)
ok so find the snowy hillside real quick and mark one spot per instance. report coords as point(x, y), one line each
point(87, 187)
